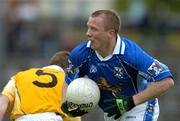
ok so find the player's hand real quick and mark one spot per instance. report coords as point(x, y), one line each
point(72, 112)
point(119, 105)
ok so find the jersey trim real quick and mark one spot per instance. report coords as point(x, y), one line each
point(119, 49)
point(55, 67)
point(123, 48)
point(150, 110)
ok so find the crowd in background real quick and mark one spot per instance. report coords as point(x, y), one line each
point(32, 30)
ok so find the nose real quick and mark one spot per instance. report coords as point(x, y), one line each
point(88, 33)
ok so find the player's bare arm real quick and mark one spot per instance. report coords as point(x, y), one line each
point(65, 85)
point(4, 101)
point(154, 90)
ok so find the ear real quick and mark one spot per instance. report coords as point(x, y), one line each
point(112, 32)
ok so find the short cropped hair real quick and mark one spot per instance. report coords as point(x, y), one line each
point(60, 58)
point(112, 19)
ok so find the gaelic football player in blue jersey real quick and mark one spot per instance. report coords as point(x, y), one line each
point(115, 63)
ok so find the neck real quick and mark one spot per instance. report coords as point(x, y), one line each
point(107, 49)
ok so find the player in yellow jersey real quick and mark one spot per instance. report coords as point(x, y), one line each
point(37, 93)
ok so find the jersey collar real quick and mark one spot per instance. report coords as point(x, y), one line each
point(55, 67)
point(119, 47)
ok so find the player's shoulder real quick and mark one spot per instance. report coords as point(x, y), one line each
point(81, 48)
point(81, 52)
point(25, 71)
point(129, 43)
point(132, 49)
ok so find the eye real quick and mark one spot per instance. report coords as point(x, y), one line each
point(93, 29)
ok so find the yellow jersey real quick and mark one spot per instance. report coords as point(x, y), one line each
point(36, 90)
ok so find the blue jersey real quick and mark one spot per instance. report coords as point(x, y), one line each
point(117, 73)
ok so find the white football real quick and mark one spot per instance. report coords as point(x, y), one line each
point(83, 93)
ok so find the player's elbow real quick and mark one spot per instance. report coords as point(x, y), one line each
point(169, 83)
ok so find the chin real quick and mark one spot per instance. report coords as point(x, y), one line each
point(92, 46)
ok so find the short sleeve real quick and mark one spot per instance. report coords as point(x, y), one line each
point(9, 90)
point(147, 66)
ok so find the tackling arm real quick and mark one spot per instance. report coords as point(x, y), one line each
point(154, 90)
point(4, 101)
point(65, 85)
point(73, 113)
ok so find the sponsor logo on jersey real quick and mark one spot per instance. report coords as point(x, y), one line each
point(93, 69)
point(71, 69)
point(155, 69)
point(104, 85)
point(119, 72)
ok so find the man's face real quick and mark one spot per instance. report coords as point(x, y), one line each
point(96, 33)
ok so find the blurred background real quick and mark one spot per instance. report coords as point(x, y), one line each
point(32, 30)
